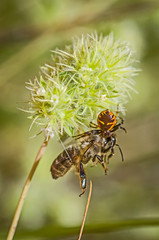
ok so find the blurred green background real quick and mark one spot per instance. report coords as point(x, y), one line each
point(125, 203)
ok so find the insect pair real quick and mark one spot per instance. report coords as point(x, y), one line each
point(92, 146)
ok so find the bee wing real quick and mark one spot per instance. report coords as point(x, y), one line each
point(66, 142)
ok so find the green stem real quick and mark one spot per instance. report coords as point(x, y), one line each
point(25, 190)
point(86, 210)
point(57, 231)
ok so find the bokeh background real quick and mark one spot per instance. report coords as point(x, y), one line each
point(125, 203)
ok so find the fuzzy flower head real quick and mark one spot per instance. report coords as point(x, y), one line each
point(89, 76)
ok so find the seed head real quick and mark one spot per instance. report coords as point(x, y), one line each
point(91, 75)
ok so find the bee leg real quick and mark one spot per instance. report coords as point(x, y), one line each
point(111, 154)
point(83, 179)
point(113, 143)
point(122, 157)
point(105, 158)
point(100, 160)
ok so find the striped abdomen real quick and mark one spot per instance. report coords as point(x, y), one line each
point(63, 162)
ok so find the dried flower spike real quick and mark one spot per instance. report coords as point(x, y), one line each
point(92, 74)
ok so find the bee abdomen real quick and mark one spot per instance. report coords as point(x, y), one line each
point(63, 162)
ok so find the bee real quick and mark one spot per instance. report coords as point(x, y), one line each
point(91, 146)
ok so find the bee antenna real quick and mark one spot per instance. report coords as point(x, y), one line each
point(122, 157)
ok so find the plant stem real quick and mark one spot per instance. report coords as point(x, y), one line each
point(86, 210)
point(25, 190)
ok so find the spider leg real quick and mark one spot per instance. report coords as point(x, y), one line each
point(91, 132)
point(118, 126)
point(93, 125)
point(123, 129)
point(117, 110)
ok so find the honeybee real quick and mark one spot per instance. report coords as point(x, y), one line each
point(91, 146)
